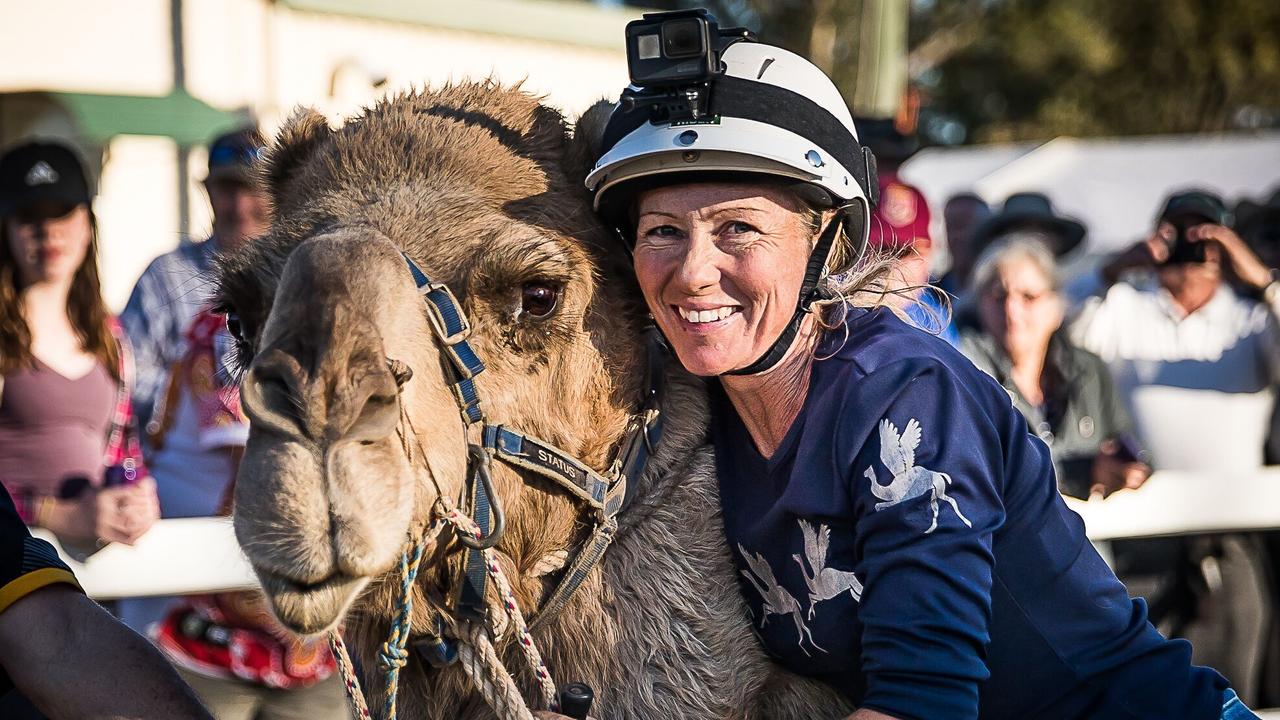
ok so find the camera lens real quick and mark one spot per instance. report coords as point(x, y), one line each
point(683, 38)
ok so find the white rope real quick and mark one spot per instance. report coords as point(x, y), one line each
point(481, 663)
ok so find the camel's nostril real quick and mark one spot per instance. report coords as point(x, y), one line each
point(270, 401)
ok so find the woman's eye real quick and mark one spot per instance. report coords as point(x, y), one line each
point(538, 299)
point(738, 228)
point(662, 231)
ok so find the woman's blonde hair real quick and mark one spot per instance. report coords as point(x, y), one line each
point(863, 281)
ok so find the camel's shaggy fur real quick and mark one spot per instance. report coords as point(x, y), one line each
point(482, 186)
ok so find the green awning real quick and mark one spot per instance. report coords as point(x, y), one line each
point(177, 115)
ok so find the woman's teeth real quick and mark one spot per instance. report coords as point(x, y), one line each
point(705, 316)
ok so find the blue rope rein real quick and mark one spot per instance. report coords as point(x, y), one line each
point(393, 655)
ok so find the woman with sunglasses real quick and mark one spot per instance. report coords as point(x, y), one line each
point(68, 448)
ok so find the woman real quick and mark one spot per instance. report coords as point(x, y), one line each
point(1064, 392)
point(898, 532)
point(68, 452)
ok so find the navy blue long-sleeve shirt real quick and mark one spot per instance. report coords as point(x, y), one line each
point(906, 544)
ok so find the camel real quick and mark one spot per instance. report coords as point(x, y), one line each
point(355, 435)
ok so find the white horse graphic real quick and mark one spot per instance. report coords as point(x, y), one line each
point(824, 582)
point(898, 453)
point(777, 601)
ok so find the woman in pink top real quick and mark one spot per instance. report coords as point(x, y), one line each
point(68, 450)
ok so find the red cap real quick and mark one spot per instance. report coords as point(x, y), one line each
point(902, 217)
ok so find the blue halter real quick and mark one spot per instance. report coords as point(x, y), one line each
point(605, 495)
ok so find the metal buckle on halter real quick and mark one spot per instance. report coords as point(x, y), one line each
point(437, 320)
point(478, 460)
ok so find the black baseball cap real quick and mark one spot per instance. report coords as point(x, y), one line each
point(233, 155)
point(41, 171)
point(1197, 204)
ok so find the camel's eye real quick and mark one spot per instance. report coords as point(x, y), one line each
point(538, 299)
point(234, 327)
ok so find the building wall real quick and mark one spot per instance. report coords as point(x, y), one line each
point(265, 57)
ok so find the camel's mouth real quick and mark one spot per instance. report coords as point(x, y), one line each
point(311, 608)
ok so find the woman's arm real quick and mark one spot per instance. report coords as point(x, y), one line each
point(927, 492)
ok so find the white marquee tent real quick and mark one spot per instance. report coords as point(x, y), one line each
point(1115, 186)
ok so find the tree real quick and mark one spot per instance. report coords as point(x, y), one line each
point(1038, 68)
point(1033, 69)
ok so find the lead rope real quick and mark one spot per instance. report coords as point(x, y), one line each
point(479, 658)
point(392, 656)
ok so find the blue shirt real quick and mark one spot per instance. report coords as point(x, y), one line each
point(907, 545)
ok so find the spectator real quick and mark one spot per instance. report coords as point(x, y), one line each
point(900, 226)
point(173, 288)
point(68, 447)
point(1030, 214)
point(227, 646)
point(1182, 345)
point(66, 653)
point(1064, 392)
point(962, 214)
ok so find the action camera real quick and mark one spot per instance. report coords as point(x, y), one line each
point(672, 58)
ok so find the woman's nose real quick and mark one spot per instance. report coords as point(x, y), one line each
point(699, 268)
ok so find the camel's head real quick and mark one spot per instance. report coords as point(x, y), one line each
point(354, 429)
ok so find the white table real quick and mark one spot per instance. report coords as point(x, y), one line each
point(175, 557)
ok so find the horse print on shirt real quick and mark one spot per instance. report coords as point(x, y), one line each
point(775, 600)
point(898, 454)
point(824, 582)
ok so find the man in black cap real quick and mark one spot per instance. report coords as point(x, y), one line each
point(176, 285)
point(1198, 366)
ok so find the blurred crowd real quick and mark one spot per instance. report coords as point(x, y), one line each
point(1165, 356)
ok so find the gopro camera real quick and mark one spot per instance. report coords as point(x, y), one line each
point(672, 58)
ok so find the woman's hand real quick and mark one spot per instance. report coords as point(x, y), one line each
point(116, 514)
point(126, 512)
point(1242, 259)
point(1112, 473)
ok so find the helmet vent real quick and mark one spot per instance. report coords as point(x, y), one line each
point(764, 66)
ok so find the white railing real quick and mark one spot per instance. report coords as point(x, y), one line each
point(197, 555)
point(1178, 503)
point(175, 557)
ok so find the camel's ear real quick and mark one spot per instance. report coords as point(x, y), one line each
point(305, 131)
point(588, 134)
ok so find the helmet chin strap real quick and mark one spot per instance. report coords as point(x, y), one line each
point(809, 292)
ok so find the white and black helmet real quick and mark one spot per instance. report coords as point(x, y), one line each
point(769, 113)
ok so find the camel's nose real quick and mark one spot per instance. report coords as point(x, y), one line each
point(343, 397)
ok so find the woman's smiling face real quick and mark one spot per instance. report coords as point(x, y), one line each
point(720, 266)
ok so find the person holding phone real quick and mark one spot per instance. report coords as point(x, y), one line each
point(69, 452)
point(1197, 365)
